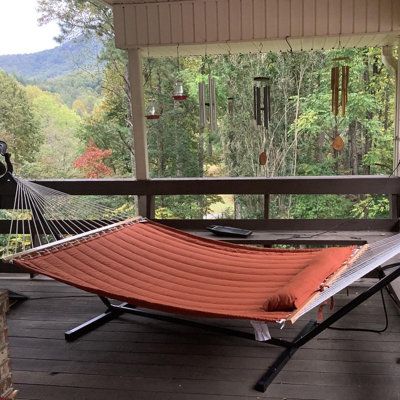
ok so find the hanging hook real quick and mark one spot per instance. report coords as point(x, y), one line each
point(149, 67)
point(177, 57)
point(229, 48)
point(287, 41)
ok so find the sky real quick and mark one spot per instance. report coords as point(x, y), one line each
point(19, 29)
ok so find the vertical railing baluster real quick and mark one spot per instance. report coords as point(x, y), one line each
point(394, 204)
point(150, 206)
point(266, 206)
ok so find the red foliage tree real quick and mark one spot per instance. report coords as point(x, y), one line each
point(91, 162)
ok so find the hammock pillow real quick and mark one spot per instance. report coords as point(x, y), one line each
point(309, 280)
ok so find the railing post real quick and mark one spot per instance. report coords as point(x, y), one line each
point(150, 206)
point(135, 70)
point(397, 118)
point(266, 206)
point(394, 203)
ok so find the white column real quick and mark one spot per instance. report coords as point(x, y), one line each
point(139, 122)
point(397, 118)
point(138, 111)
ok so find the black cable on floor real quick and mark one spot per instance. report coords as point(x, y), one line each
point(365, 329)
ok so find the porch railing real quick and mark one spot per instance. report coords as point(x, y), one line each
point(321, 185)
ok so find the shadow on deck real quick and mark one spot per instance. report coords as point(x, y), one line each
point(135, 358)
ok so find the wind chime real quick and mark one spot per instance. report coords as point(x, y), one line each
point(208, 109)
point(231, 98)
point(179, 92)
point(262, 110)
point(339, 87)
point(152, 111)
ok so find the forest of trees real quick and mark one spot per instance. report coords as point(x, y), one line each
point(55, 131)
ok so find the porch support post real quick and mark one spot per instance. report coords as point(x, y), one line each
point(138, 121)
point(397, 118)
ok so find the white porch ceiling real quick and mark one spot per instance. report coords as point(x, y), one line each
point(243, 26)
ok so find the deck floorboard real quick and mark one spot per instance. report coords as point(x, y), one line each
point(142, 359)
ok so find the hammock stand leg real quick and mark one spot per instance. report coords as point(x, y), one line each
point(311, 330)
point(283, 358)
point(93, 323)
point(16, 297)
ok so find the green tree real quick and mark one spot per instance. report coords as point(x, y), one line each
point(109, 125)
point(60, 146)
point(78, 16)
point(18, 124)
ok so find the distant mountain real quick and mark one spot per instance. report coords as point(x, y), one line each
point(75, 55)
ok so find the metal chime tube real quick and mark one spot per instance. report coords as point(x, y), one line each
point(214, 100)
point(212, 103)
point(266, 106)
point(262, 101)
point(258, 105)
point(335, 90)
point(208, 115)
point(345, 85)
point(255, 103)
point(340, 85)
point(202, 103)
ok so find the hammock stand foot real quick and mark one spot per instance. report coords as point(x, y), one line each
point(282, 360)
point(92, 324)
point(15, 297)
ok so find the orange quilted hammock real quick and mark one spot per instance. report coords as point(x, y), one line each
point(154, 266)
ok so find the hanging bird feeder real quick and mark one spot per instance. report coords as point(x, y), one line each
point(179, 91)
point(152, 111)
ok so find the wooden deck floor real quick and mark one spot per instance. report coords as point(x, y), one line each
point(134, 358)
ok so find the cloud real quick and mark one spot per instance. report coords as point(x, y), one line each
point(19, 29)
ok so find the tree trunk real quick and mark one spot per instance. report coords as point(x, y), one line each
point(319, 153)
point(353, 148)
point(209, 147)
point(201, 202)
point(367, 148)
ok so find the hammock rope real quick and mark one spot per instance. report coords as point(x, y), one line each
point(370, 256)
point(43, 215)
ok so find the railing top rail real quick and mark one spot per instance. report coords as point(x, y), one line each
point(276, 185)
point(310, 185)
